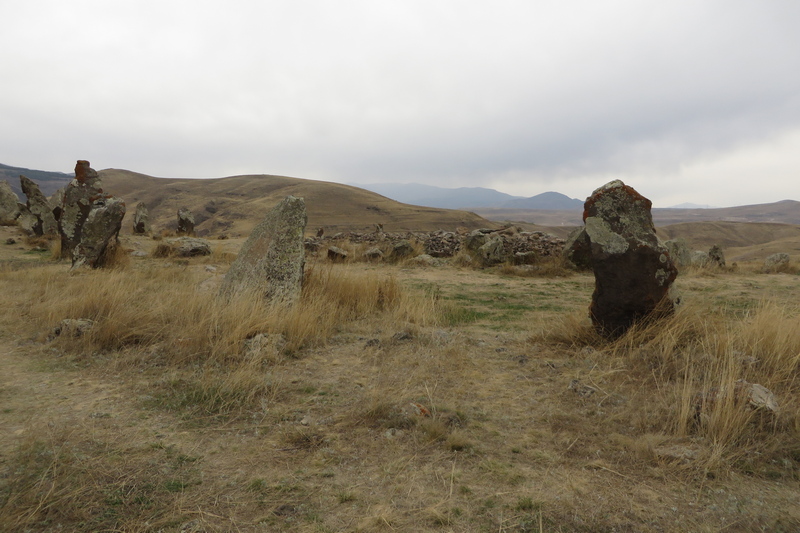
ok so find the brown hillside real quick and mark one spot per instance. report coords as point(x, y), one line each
point(235, 204)
point(739, 240)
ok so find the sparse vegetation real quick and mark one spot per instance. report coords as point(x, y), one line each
point(392, 398)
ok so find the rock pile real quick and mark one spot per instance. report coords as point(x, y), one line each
point(633, 270)
point(271, 261)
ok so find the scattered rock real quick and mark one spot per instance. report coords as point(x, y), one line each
point(185, 222)
point(189, 246)
point(141, 219)
point(264, 344)
point(757, 397)
point(336, 254)
point(402, 249)
point(39, 207)
point(776, 262)
point(11, 240)
point(72, 327)
point(373, 254)
point(632, 268)
point(426, 260)
point(402, 336)
point(580, 389)
point(211, 269)
point(700, 258)
point(9, 205)
point(272, 259)
point(138, 253)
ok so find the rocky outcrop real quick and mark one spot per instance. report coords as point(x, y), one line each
point(9, 205)
point(632, 268)
point(89, 219)
point(185, 222)
point(272, 259)
point(141, 219)
point(39, 207)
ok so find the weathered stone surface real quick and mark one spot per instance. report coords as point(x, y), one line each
point(9, 205)
point(336, 254)
point(141, 219)
point(402, 249)
point(102, 224)
point(272, 259)
point(716, 257)
point(632, 268)
point(185, 222)
point(578, 249)
point(700, 258)
point(57, 201)
point(679, 252)
point(39, 207)
point(493, 251)
point(79, 197)
point(776, 262)
point(426, 260)
point(189, 246)
point(373, 254)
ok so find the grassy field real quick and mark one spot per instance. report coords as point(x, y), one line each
point(391, 398)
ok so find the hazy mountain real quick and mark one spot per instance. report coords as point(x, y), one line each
point(689, 205)
point(48, 182)
point(431, 196)
point(547, 201)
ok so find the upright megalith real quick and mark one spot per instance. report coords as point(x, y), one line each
point(38, 206)
point(141, 219)
point(9, 204)
point(632, 268)
point(89, 219)
point(185, 222)
point(271, 261)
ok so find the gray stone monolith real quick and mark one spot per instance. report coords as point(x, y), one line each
point(272, 259)
point(76, 203)
point(100, 227)
point(141, 219)
point(185, 222)
point(9, 205)
point(39, 207)
point(632, 268)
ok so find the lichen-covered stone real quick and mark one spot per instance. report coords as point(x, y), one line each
point(102, 224)
point(578, 249)
point(189, 246)
point(272, 259)
point(185, 222)
point(679, 252)
point(39, 207)
point(633, 270)
point(9, 205)
point(78, 199)
point(493, 251)
point(776, 262)
point(716, 257)
point(141, 219)
point(402, 249)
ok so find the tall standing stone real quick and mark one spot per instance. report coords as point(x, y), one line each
point(185, 222)
point(271, 261)
point(9, 208)
point(632, 268)
point(141, 219)
point(39, 207)
point(89, 219)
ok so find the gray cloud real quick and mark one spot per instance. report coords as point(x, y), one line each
point(532, 96)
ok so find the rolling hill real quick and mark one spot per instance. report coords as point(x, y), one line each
point(234, 205)
point(49, 182)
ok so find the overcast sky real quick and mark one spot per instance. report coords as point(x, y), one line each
point(687, 101)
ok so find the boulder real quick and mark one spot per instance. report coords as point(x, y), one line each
point(56, 202)
point(679, 252)
point(141, 219)
point(336, 254)
point(185, 222)
point(402, 249)
point(272, 259)
point(9, 205)
point(102, 224)
point(493, 251)
point(700, 258)
point(632, 268)
point(39, 207)
point(373, 254)
point(189, 246)
point(776, 262)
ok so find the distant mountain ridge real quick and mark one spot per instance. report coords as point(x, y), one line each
point(469, 197)
point(49, 182)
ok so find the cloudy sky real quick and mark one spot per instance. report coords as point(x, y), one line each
point(687, 101)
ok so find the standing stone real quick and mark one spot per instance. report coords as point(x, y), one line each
point(89, 218)
point(9, 208)
point(39, 207)
point(632, 268)
point(776, 262)
point(79, 195)
point(716, 257)
point(271, 261)
point(185, 222)
point(141, 220)
point(679, 252)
